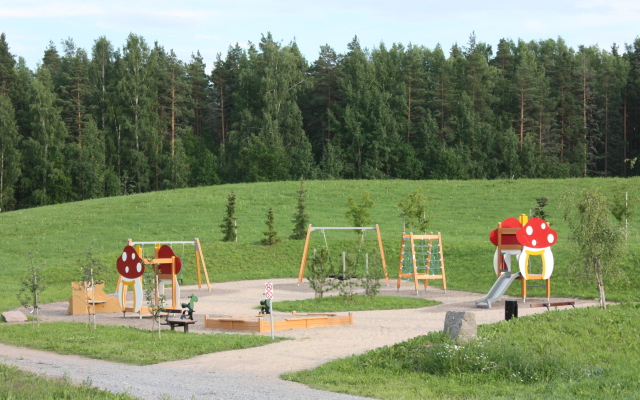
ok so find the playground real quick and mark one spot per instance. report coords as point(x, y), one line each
point(311, 347)
point(467, 249)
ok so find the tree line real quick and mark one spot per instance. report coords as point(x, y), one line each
point(136, 118)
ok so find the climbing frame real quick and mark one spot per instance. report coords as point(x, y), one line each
point(421, 258)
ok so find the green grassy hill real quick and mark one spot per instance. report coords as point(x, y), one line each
point(464, 211)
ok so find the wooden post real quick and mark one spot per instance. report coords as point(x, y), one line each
point(548, 289)
point(204, 266)
point(403, 251)
point(174, 283)
point(384, 260)
point(444, 277)
point(197, 255)
point(304, 255)
point(344, 265)
point(414, 263)
point(427, 267)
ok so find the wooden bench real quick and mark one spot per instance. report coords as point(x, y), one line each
point(173, 322)
point(559, 304)
point(179, 322)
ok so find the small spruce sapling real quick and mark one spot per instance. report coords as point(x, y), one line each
point(32, 287)
point(539, 211)
point(229, 224)
point(300, 218)
point(271, 234)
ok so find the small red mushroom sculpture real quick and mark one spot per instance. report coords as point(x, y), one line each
point(131, 269)
point(167, 276)
point(536, 237)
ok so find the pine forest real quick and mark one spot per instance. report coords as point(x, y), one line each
point(110, 121)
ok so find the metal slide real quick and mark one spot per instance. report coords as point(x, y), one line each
point(498, 289)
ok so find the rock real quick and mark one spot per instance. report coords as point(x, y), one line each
point(14, 316)
point(461, 326)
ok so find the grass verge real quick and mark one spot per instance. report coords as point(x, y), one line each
point(356, 303)
point(106, 343)
point(573, 354)
point(16, 384)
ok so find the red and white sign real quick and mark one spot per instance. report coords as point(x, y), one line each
point(268, 290)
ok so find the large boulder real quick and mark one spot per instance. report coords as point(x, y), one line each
point(461, 326)
point(14, 316)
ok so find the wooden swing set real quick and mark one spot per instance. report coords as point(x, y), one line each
point(311, 228)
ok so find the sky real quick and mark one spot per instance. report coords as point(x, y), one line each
point(212, 26)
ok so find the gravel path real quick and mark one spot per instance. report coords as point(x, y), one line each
point(253, 373)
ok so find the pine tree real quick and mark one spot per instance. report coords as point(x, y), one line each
point(529, 89)
point(611, 80)
point(171, 169)
point(317, 102)
point(229, 223)
point(441, 88)
point(75, 95)
point(271, 234)
point(46, 179)
point(137, 138)
point(367, 129)
point(101, 71)
point(7, 69)
point(300, 218)
point(10, 167)
point(89, 168)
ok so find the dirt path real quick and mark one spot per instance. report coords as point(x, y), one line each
point(310, 347)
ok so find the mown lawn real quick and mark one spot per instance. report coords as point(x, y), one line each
point(464, 211)
point(105, 343)
point(21, 385)
point(356, 303)
point(573, 354)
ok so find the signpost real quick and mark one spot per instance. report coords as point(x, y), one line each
point(268, 294)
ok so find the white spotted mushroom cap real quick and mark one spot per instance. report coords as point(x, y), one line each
point(129, 263)
point(537, 234)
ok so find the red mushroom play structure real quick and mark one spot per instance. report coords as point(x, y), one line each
point(521, 238)
point(131, 268)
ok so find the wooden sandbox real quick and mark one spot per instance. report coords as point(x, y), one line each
point(261, 323)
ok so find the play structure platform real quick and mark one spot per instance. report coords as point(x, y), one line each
point(90, 299)
point(262, 323)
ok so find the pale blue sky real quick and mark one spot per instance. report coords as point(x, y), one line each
point(211, 26)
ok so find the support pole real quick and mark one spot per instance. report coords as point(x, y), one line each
point(304, 255)
point(384, 260)
point(204, 266)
